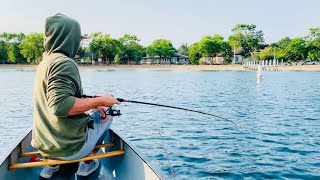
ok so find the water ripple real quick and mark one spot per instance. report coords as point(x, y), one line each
point(277, 136)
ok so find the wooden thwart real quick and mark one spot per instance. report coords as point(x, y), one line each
point(50, 162)
point(26, 154)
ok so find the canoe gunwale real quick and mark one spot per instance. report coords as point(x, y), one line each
point(7, 153)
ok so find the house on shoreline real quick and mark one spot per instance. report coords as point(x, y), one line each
point(176, 59)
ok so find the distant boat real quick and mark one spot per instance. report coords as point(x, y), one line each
point(130, 164)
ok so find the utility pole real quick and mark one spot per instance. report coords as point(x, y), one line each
point(234, 54)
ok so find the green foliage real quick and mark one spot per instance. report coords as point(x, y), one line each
point(194, 53)
point(296, 49)
point(104, 46)
point(183, 49)
point(14, 55)
point(32, 47)
point(313, 44)
point(267, 53)
point(201, 61)
point(162, 48)
point(247, 37)
point(234, 40)
point(281, 48)
point(130, 49)
point(211, 46)
point(87, 60)
point(226, 51)
point(116, 59)
point(12, 42)
point(3, 51)
point(81, 52)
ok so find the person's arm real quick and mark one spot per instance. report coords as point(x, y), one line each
point(62, 82)
point(83, 105)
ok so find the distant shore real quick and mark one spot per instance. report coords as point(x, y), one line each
point(233, 67)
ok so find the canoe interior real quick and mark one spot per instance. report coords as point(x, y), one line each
point(133, 165)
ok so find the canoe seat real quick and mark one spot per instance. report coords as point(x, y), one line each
point(52, 162)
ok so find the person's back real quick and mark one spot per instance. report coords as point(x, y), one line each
point(60, 127)
point(55, 133)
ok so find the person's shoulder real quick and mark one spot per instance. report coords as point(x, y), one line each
point(63, 63)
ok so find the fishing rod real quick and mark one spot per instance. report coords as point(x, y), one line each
point(161, 105)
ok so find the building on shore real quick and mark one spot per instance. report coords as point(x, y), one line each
point(237, 57)
point(176, 59)
point(218, 60)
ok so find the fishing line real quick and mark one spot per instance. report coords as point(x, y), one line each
point(167, 155)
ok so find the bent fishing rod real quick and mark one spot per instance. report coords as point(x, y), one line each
point(161, 105)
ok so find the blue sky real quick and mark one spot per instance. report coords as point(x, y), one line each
point(181, 21)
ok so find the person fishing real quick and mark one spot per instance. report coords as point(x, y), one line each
point(61, 127)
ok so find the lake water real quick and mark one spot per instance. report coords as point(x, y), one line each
point(278, 132)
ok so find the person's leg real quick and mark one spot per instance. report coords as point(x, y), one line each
point(93, 136)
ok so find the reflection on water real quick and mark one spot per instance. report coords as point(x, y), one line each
point(278, 119)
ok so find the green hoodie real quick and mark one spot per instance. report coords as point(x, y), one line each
point(57, 84)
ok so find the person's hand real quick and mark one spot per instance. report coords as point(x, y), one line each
point(104, 117)
point(108, 100)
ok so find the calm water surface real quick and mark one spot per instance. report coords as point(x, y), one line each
point(278, 133)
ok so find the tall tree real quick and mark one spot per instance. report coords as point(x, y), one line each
point(162, 48)
point(12, 42)
point(130, 49)
point(194, 53)
point(297, 49)
point(281, 48)
point(226, 51)
point(32, 47)
point(313, 44)
point(104, 46)
point(3, 51)
point(183, 49)
point(247, 37)
point(211, 46)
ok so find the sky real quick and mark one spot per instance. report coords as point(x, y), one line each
point(180, 21)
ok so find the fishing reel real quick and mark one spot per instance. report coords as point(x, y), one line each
point(113, 112)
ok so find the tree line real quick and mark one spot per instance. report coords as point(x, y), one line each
point(22, 48)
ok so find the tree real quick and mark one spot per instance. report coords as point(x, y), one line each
point(32, 47)
point(3, 51)
point(234, 41)
point(130, 49)
point(81, 52)
point(267, 53)
point(214, 46)
point(104, 46)
point(194, 53)
point(162, 48)
point(12, 42)
point(281, 48)
point(226, 51)
point(247, 37)
point(210, 46)
point(313, 44)
point(297, 49)
point(183, 49)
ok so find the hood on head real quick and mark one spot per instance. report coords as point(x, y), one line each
point(62, 35)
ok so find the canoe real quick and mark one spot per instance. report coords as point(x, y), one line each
point(130, 164)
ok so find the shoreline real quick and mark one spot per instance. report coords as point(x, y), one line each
point(232, 67)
